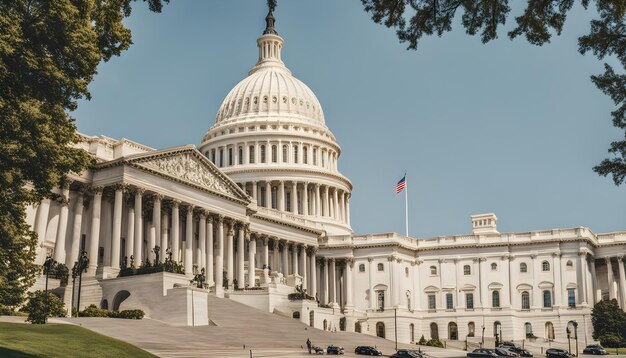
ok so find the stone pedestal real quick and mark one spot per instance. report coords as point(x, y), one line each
point(294, 280)
point(219, 291)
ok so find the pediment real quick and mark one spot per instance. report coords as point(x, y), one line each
point(189, 166)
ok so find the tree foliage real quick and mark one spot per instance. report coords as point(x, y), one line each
point(414, 19)
point(39, 309)
point(609, 323)
point(49, 53)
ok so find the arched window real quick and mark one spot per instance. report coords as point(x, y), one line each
point(523, 267)
point(528, 329)
point(274, 154)
point(495, 299)
point(467, 270)
point(381, 267)
point(453, 331)
point(296, 315)
point(312, 318)
point(240, 159)
point(380, 296)
point(497, 329)
point(408, 300)
point(362, 268)
point(433, 270)
point(412, 332)
point(305, 155)
point(549, 331)
point(471, 329)
point(262, 154)
point(251, 154)
point(434, 331)
point(380, 329)
point(569, 266)
point(295, 153)
point(525, 300)
point(285, 156)
point(494, 266)
point(547, 299)
point(545, 266)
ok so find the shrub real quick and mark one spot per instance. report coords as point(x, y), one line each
point(434, 343)
point(422, 341)
point(94, 311)
point(610, 340)
point(130, 314)
point(36, 307)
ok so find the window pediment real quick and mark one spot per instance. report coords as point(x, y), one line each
point(431, 289)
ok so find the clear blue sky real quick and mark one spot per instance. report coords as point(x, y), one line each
point(505, 127)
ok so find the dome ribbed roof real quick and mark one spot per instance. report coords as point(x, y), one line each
point(270, 91)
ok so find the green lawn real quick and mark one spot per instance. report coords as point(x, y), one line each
point(60, 340)
point(612, 350)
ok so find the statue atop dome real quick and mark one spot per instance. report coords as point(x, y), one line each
point(269, 19)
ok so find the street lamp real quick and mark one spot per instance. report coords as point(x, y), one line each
point(83, 263)
point(576, 336)
point(569, 345)
point(74, 274)
point(46, 267)
point(482, 341)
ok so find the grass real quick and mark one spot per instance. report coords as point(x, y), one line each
point(60, 340)
point(612, 350)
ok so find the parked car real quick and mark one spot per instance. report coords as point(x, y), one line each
point(509, 344)
point(595, 349)
point(334, 350)
point(557, 353)
point(406, 353)
point(318, 350)
point(368, 351)
point(482, 352)
point(505, 352)
point(519, 350)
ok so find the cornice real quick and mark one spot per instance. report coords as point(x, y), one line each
point(288, 224)
point(279, 171)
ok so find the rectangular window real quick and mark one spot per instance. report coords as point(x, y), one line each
point(288, 199)
point(251, 149)
point(314, 156)
point(240, 159)
point(221, 157)
point(230, 156)
point(469, 300)
point(449, 301)
point(213, 156)
point(432, 303)
point(262, 198)
point(571, 298)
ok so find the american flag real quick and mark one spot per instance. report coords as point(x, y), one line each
point(401, 185)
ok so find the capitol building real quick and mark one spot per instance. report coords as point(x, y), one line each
point(262, 209)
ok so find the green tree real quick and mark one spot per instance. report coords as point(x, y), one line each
point(609, 323)
point(414, 19)
point(38, 309)
point(49, 53)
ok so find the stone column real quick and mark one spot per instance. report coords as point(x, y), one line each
point(251, 253)
point(582, 292)
point(209, 252)
point(284, 252)
point(76, 230)
point(268, 194)
point(317, 201)
point(241, 278)
point(138, 227)
point(333, 281)
point(348, 281)
point(305, 279)
point(335, 205)
point(348, 210)
point(594, 281)
point(230, 274)
point(370, 272)
point(622, 280)
point(130, 236)
point(294, 197)
point(219, 256)
point(395, 282)
point(325, 267)
point(254, 188)
point(175, 232)
point(164, 236)
point(189, 242)
point(202, 242)
point(313, 283)
point(94, 237)
point(266, 252)
point(294, 259)
point(281, 196)
point(611, 279)
point(558, 287)
point(326, 202)
point(43, 210)
point(59, 244)
point(116, 236)
point(342, 211)
point(305, 199)
point(156, 221)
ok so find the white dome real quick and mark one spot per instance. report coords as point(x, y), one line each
point(270, 92)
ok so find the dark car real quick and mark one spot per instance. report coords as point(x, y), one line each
point(482, 352)
point(505, 352)
point(519, 350)
point(557, 353)
point(368, 351)
point(595, 349)
point(334, 350)
point(406, 353)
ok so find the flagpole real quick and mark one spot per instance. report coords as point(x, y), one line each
point(406, 205)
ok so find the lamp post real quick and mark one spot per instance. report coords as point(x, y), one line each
point(482, 340)
point(395, 323)
point(576, 336)
point(46, 267)
point(83, 263)
point(74, 274)
point(569, 345)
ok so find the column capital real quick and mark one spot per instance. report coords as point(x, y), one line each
point(139, 191)
point(96, 190)
point(219, 219)
point(158, 197)
point(349, 261)
point(370, 259)
point(119, 186)
point(556, 254)
point(202, 213)
point(175, 202)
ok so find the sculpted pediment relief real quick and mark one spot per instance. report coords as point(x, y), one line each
point(187, 167)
